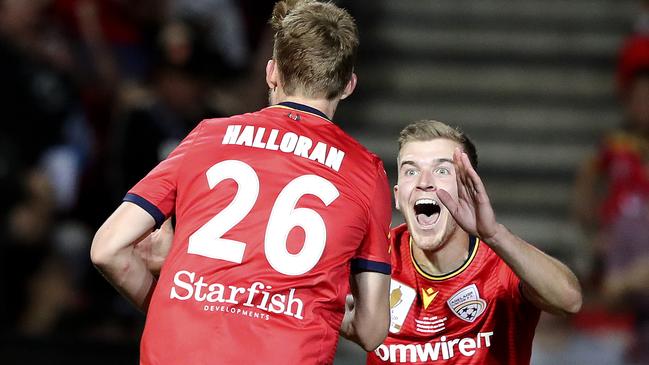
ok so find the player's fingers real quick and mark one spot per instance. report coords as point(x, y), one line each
point(469, 174)
point(446, 199)
point(459, 170)
point(466, 189)
point(476, 181)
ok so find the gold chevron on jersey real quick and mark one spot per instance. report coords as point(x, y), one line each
point(427, 296)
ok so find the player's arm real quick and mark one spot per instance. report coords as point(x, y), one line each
point(154, 248)
point(546, 282)
point(367, 313)
point(113, 253)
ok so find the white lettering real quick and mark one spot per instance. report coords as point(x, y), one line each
point(404, 351)
point(335, 158)
point(182, 284)
point(450, 347)
point(253, 291)
point(467, 346)
point(277, 303)
point(233, 294)
point(199, 287)
point(301, 146)
point(187, 286)
point(444, 348)
point(430, 351)
point(288, 142)
point(486, 336)
point(383, 352)
point(258, 136)
point(318, 153)
point(292, 300)
point(270, 145)
point(264, 300)
point(216, 293)
point(245, 138)
point(231, 134)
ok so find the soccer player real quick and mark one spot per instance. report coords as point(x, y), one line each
point(279, 214)
point(464, 289)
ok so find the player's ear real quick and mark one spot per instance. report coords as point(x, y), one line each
point(271, 74)
point(349, 88)
point(396, 197)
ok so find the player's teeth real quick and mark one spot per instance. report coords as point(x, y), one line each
point(425, 201)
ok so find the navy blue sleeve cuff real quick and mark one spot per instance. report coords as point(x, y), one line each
point(367, 265)
point(148, 206)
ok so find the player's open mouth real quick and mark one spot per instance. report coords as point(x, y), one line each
point(427, 212)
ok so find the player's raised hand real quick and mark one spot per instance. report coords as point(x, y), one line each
point(472, 209)
point(154, 248)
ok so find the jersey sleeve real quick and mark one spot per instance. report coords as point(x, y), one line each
point(512, 284)
point(373, 253)
point(156, 192)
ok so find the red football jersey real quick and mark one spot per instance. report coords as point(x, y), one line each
point(273, 210)
point(474, 315)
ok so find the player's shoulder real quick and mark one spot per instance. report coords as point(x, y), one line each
point(358, 148)
point(488, 263)
point(398, 233)
point(485, 254)
point(399, 244)
point(221, 121)
point(363, 159)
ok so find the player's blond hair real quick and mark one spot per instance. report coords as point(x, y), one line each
point(315, 47)
point(426, 130)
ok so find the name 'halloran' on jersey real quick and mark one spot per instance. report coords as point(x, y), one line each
point(289, 142)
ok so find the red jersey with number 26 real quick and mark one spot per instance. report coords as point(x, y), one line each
point(273, 210)
point(474, 315)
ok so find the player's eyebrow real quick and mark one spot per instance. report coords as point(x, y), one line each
point(442, 160)
point(436, 161)
point(408, 162)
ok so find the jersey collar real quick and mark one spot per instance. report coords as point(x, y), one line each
point(473, 250)
point(303, 108)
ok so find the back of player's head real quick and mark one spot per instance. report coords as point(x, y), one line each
point(315, 47)
point(426, 130)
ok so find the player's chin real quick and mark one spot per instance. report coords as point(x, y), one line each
point(427, 239)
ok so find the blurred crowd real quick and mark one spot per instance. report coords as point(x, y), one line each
point(611, 205)
point(94, 93)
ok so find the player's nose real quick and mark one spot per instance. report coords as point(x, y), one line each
point(426, 181)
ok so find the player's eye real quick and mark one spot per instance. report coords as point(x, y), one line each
point(442, 171)
point(410, 172)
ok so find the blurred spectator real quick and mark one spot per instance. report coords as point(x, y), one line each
point(95, 93)
point(612, 199)
point(642, 21)
point(40, 102)
point(152, 122)
point(222, 25)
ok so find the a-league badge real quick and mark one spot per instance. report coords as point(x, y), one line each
point(401, 298)
point(467, 304)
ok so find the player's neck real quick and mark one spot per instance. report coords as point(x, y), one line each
point(447, 258)
point(328, 107)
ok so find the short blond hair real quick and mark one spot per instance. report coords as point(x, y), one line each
point(315, 47)
point(426, 130)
